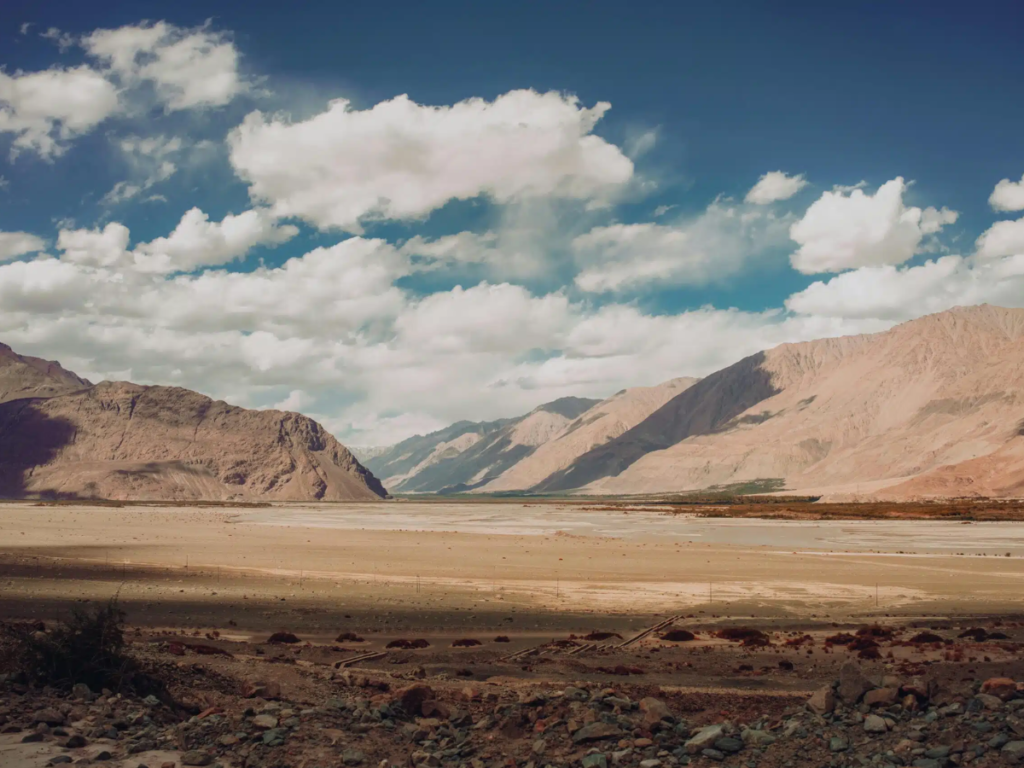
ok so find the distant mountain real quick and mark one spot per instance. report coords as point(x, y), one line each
point(594, 427)
point(62, 436)
point(468, 455)
point(932, 407)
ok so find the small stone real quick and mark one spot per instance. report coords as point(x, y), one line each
point(195, 757)
point(59, 759)
point(1003, 687)
point(596, 732)
point(352, 757)
point(655, 710)
point(822, 701)
point(937, 753)
point(852, 683)
point(265, 722)
point(75, 742)
point(1014, 751)
point(875, 724)
point(596, 760)
point(988, 701)
point(728, 744)
point(704, 738)
point(884, 696)
point(31, 738)
point(650, 763)
point(713, 754)
point(838, 744)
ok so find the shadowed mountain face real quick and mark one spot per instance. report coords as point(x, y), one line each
point(468, 455)
point(124, 441)
point(707, 407)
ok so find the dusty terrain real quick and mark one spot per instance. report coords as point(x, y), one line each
point(532, 622)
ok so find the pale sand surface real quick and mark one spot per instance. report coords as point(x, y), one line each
point(495, 557)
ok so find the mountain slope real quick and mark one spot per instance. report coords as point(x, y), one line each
point(468, 455)
point(600, 424)
point(930, 407)
point(24, 376)
point(124, 441)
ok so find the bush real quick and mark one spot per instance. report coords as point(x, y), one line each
point(88, 648)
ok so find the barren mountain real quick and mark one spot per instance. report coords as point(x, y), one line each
point(605, 421)
point(117, 440)
point(931, 407)
point(23, 376)
point(468, 455)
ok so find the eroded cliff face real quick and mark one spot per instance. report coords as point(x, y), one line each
point(116, 440)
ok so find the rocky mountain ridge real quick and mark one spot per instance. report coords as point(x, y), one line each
point(61, 436)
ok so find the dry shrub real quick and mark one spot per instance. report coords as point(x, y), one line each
point(87, 648)
point(842, 638)
point(678, 636)
point(502, 639)
point(283, 637)
point(466, 642)
point(349, 637)
point(597, 635)
point(926, 637)
point(408, 645)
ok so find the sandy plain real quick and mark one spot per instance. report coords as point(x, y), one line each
point(393, 566)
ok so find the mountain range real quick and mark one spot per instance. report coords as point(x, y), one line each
point(931, 407)
point(62, 436)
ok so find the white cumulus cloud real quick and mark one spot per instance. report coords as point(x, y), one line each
point(402, 160)
point(710, 247)
point(1008, 195)
point(846, 229)
point(187, 68)
point(197, 241)
point(775, 186)
point(1004, 238)
point(15, 244)
point(45, 110)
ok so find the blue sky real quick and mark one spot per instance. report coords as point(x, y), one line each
point(563, 205)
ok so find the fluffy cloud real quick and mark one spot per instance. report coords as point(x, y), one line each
point(402, 160)
point(1008, 195)
point(15, 244)
point(710, 247)
point(44, 110)
point(846, 229)
point(1004, 238)
point(485, 318)
point(107, 247)
point(197, 241)
point(775, 186)
point(187, 68)
point(894, 293)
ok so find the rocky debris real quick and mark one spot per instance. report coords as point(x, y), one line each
point(361, 718)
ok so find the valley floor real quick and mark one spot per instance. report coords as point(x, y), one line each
point(528, 581)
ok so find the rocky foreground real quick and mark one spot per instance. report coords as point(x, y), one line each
point(367, 718)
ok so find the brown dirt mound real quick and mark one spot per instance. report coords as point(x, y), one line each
point(283, 637)
point(349, 637)
point(502, 639)
point(926, 637)
point(750, 637)
point(408, 645)
point(678, 636)
point(466, 642)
